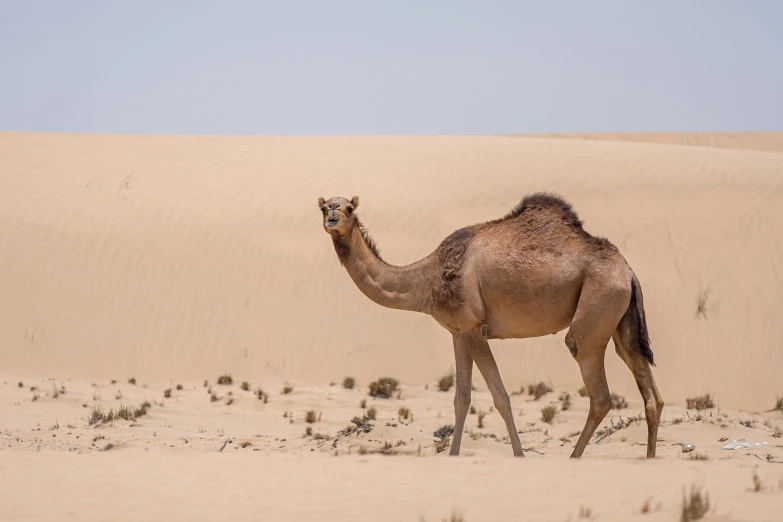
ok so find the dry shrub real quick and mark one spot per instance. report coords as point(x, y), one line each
point(446, 382)
point(371, 413)
point(363, 404)
point(757, 484)
point(245, 444)
point(213, 397)
point(472, 410)
point(384, 387)
point(582, 392)
point(349, 383)
point(548, 414)
point(167, 393)
point(565, 401)
point(445, 431)
point(618, 402)
point(695, 505)
point(225, 379)
point(778, 404)
point(777, 433)
point(245, 386)
point(538, 390)
point(442, 445)
point(261, 394)
point(403, 414)
point(310, 417)
point(699, 456)
point(702, 402)
point(287, 389)
point(481, 415)
point(132, 380)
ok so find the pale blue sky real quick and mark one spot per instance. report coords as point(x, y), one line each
point(394, 67)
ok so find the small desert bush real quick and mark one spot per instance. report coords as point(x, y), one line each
point(384, 387)
point(694, 505)
point(548, 414)
point(261, 394)
point(582, 392)
point(310, 417)
point(701, 402)
point(778, 404)
point(371, 413)
point(538, 390)
point(472, 410)
point(757, 484)
point(701, 303)
point(245, 386)
point(699, 456)
point(213, 397)
point(167, 393)
point(179, 387)
point(481, 415)
point(403, 414)
point(446, 382)
point(225, 379)
point(363, 404)
point(778, 433)
point(445, 431)
point(287, 389)
point(132, 380)
point(349, 383)
point(565, 401)
point(618, 402)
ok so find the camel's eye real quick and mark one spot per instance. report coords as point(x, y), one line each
point(349, 210)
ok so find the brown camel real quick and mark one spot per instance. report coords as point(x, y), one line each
point(534, 272)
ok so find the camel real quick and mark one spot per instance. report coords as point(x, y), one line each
point(530, 273)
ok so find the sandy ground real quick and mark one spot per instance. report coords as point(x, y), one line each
point(178, 259)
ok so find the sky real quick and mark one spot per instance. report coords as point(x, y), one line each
point(339, 67)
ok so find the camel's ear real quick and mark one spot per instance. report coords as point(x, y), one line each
point(321, 202)
point(355, 202)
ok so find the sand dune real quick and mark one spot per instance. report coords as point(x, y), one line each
point(174, 259)
point(178, 257)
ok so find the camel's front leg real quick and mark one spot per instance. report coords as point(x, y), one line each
point(482, 355)
point(464, 365)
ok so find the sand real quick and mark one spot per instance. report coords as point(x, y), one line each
point(179, 259)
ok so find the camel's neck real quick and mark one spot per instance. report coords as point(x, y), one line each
point(401, 287)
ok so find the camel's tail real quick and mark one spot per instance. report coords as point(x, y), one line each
point(637, 307)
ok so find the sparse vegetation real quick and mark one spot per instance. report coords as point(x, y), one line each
point(701, 303)
point(363, 404)
point(371, 413)
point(167, 393)
point(179, 387)
point(481, 415)
point(538, 390)
point(308, 431)
point(445, 431)
point(699, 456)
point(245, 444)
point(404, 414)
point(618, 402)
point(446, 382)
point(245, 386)
point(778, 404)
point(213, 397)
point(229, 400)
point(261, 394)
point(384, 387)
point(97, 416)
point(206, 383)
point(132, 380)
point(757, 484)
point(349, 383)
point(442, 445)
point(565, 401)
point(777, 433)
point(225, 379)
point(702, 402)
point(694, 505)
point(287, 389)
point(310, 417)
point(582, 391)
point(548, 414)
point(21, 384)
point(472, 410)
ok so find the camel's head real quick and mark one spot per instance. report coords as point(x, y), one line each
point(338, 214)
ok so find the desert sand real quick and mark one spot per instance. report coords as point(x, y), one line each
point(177, 259)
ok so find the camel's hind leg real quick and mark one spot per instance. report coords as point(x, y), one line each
point(601, 305)
point(626, 344)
